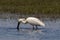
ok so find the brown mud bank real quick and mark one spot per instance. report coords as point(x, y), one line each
point(25, 15)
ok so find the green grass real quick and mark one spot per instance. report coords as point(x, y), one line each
point(30, 6)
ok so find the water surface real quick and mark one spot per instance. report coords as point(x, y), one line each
point(8, 30)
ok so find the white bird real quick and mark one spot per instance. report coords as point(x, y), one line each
point(31, 20)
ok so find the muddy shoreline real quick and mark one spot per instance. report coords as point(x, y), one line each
point(21, 15)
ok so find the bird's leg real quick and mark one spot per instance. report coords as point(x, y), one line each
point(33, 27)
point(36, 27)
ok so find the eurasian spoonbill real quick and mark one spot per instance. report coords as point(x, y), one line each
point(31, 20)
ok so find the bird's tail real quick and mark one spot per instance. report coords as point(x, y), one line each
point(42, 24)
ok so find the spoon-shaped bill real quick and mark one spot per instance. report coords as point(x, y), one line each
point(18, 25)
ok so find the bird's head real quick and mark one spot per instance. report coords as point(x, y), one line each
point(21, 20)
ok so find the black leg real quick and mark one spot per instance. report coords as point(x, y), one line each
point(36, 27)
point(33, 27)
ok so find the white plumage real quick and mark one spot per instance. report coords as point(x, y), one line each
point(34, 21)
point(31, 20)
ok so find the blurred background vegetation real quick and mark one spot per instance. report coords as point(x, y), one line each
point(30, 6)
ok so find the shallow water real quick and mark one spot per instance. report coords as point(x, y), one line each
point(8, 31)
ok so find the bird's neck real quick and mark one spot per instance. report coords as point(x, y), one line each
point(24, 21)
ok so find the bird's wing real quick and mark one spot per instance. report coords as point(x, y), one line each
point(39, 22)
point(35, 21)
